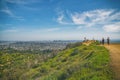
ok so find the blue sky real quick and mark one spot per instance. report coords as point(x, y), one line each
point(59, 19)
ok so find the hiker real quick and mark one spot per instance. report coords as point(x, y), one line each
point(102, 41)
point(108, 40)
point(84, 39)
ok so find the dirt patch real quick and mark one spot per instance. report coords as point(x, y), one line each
point(115, 58)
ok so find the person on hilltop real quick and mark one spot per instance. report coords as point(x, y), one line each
point(103, 41)
point(84, 39)
point(108, 40)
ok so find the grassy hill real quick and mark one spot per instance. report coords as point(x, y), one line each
point(76, 62)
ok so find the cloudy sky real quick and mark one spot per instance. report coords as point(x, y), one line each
point(59, 19)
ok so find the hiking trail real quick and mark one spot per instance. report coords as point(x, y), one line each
point(115, 58)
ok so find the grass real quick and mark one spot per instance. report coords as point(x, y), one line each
point(75, 63)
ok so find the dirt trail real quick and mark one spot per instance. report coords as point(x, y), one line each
point(115, 58)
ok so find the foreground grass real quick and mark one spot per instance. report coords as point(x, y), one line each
point(75, 63)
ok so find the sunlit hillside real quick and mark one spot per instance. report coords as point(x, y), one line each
point(76, 62)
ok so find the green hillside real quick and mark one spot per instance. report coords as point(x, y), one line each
point(76, 62)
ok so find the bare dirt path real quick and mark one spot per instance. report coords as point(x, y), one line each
point(115, 58)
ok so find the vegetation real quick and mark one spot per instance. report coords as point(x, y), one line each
point(76, 62)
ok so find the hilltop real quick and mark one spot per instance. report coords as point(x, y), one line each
point(77, 61)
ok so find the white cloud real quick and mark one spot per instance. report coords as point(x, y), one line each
point(78, 19)
point(91, 18)
point(106, 18)
point(7, 11)
point(61, 18)
point(112, 27)
point(115, 16)
point(25, 4)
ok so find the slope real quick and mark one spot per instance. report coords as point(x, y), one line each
point(79, 62)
